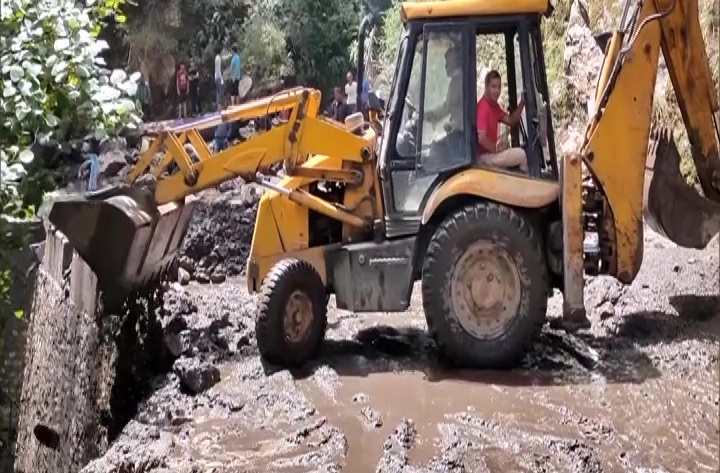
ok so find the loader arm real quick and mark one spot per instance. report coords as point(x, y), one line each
point(632, 180)
point(131, 234)
point(290, 143)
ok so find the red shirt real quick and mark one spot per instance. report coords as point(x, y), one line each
point(488, 116)
point(182, 81)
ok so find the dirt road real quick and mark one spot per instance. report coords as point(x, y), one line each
point(638, 392)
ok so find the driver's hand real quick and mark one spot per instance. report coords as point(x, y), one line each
point(522, 98)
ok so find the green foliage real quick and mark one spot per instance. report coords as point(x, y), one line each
point(54, 88)
point(263, 45)
point(54, 85)
point(318, 34)
point(387, 48)
point(553, 32)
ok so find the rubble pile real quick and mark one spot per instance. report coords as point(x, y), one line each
point(220, 233)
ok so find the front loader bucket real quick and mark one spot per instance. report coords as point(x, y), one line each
point(122, 235)
point(670, 206)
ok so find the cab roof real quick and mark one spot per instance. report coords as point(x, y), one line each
point(463, 8)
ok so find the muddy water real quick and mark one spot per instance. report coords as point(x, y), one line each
point(510, 419)
point(381, 402)
point(639, 392)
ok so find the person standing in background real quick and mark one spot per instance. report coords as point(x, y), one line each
point(235, 76)
point(222, 131)
point(351, 93)
point(183, 88)
point(143, 96)
point(219, 84)
point(194, 76)
point(338, 110)
point(365, 95)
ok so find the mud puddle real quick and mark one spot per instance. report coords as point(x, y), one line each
point(520, 421)
point(638, 392)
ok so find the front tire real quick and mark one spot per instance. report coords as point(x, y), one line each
point(484, 286)
point(292, 315)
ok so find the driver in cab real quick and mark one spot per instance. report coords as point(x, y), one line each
point(493, 152)
point(453, 103)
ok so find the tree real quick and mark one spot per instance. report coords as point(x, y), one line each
point(319, 33)
point(263, 45)
point(54, 89)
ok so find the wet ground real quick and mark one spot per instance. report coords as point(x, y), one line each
point(638, 392)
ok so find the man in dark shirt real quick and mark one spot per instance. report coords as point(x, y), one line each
point(194, 76)
point(338, 108)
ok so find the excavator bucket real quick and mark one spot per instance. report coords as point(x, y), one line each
point(123, 236)
point(670, 206)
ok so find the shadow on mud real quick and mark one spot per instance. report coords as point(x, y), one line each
point(557, 358)
point(696, 319)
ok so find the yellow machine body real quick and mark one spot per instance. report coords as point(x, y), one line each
point(328, 224)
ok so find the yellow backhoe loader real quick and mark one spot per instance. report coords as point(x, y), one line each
point(366, 209)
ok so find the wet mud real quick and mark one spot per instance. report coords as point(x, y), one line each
point(636, 392)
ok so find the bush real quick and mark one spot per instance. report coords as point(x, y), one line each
point(54, 88)
point(54, 84)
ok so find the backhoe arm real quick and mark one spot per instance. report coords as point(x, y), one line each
point(616, 145)
point(689, 68)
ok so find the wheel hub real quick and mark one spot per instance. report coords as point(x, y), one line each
point(298, 316)
point(485, 290)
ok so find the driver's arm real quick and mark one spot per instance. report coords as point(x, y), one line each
point(438, 112)
point(452, 98)
point(512, 119)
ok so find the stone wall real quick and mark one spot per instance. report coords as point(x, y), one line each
point(13, 334)
point(84, 369)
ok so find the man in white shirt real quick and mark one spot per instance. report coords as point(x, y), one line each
point(219, 84)
point(351, 93)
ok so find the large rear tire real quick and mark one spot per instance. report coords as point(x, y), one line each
point(292, 313)
point(485, 286)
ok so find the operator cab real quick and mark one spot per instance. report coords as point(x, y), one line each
point(420, 151)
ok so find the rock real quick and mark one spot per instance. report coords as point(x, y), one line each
point(217, 277)
point(196, 376)
point(183, 276)
point(174, 344)
point(371, 417)
point(176, 324)
point(186, 263)
point(112, 162)
point(201, 277)
point(243, 341)
point(220, 323)
point(360, 398)
point(606, 311)
point(114, 144)
point(226, 186)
